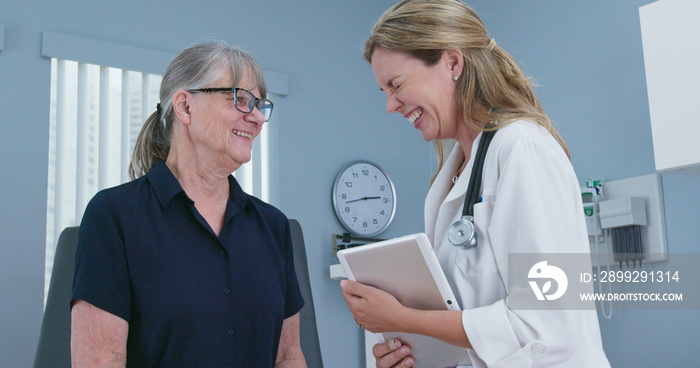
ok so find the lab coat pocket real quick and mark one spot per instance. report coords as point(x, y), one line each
point(479, 261)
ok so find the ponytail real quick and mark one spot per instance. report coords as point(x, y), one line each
point(152, 145)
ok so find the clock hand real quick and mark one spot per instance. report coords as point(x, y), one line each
point(363, 199)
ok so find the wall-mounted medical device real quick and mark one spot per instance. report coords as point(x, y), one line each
point(625, 221)
point(625, 217)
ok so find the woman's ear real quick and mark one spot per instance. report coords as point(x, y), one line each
point(181, 106)
point(454, 60)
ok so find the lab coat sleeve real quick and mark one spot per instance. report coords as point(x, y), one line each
point(537, 209)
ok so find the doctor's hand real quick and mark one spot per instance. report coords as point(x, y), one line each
point(373, 309)
point(391, 354)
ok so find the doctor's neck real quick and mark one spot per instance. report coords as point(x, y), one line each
point(466, 137)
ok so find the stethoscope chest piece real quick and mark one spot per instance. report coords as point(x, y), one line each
point(462, 233)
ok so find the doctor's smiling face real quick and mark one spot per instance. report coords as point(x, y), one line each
point(423, 94)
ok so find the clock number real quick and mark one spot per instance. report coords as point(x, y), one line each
point(385, 200)
point(344, 196)
point(365, 172)
point(382, 188)
point(364, 224)
point(354, 219)
point(382, 213)
point(347, 209)
point(355, 176)
point(374, 221)
point(348, 184)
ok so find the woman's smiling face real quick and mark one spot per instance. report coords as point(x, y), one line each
point(423, 94)
point(221, 132)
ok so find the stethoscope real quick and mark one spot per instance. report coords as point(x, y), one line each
point(463, 233)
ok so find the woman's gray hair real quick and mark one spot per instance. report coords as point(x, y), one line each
point(195, 67)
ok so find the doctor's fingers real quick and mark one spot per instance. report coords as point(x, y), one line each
point(354, 303)
point(354, 293)
point(355, 288)
point(383, 348)
point(350, 300)
point(388, 356)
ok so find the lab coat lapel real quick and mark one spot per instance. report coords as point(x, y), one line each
point(443, 204)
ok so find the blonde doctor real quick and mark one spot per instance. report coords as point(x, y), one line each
point(441, 71)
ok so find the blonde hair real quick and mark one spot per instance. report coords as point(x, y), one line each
point(195, 67)
point(491, 88)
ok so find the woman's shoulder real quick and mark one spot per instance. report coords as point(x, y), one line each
point(527, 133)
point(526, 140)
point(270, 212)
point(126, 194)
point(129, 188)
point(273, 217)
point(521, 130)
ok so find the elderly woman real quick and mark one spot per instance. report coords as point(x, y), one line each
point(440, 69)
point(180, 267)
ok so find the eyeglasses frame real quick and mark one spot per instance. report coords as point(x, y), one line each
point(266, 103)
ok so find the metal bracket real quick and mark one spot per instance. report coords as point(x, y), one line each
point(346, 240)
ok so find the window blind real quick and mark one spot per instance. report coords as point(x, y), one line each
point(96, 115)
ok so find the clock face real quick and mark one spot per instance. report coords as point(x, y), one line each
point(364, 198)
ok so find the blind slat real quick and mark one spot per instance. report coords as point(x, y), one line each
point(126, 131)
point(103, 166)
point(60, 149)
point(81, 143)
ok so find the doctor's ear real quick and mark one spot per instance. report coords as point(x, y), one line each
point(454, 61)
point(181, 105)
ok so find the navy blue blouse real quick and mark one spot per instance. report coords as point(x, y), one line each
point(191, 299)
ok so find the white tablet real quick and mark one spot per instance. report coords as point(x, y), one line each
point(408, 269)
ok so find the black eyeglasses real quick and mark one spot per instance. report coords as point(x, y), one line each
point(243, 100)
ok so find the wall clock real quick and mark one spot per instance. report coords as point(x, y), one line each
point(364, 198)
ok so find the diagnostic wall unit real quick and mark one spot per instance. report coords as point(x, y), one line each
point(642, 191)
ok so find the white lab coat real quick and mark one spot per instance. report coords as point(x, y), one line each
point(531, 203)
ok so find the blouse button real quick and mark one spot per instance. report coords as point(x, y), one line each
point(230, 332)
point(227, 291)
point(221, 252)
point(537, 349)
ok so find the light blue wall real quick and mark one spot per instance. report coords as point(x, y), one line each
point(586, 55)
point(334, 114)
point(587, 58)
